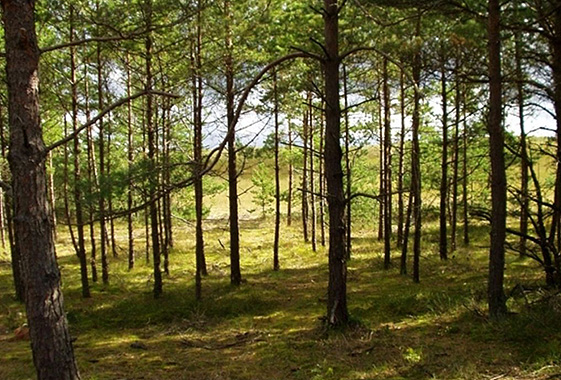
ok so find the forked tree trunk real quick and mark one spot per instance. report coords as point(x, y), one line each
point(53, 354)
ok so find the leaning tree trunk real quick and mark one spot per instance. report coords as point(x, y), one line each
point(497, 299)
point(53, 354)
point(337, 313)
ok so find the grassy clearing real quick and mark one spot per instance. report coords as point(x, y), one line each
point(269, 328)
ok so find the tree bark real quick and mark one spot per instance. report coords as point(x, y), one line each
point(443, 246)
point(401, 162)
point(102, 177)
point(348, 172)
point(130, 162)
point(337, 313)
point(235, 272)
point(497, 299)
point(387, 194)
point(53, 354)
point(415, 160)
point(19, 286)
point(81, 245)
point(152, 158)
point(276, 265)
point(313, 220)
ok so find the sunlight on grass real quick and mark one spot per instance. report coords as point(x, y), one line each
point(270, 327)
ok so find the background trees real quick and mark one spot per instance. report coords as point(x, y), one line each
point(139, 105)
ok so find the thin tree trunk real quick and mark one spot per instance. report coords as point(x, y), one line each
point(52, 200)
point(337, 313)
point(276, 265)
point(65, 194)
point(19, 285)
point(322, 176)
point(81, 246)
point(347, 165)
point(387, 194)
point(152, 157)
point(381, 174)
point(93, 181)
point(290, 177)
point(311, 149)
point(415, 161)
point(305, 140)
point(465, 176)
point(456, 162)
point(235, 273)
point(497, 299)
point(51, 343)
point(400, 174)
point(443, 247)
point(130, 162)
point(102, 178)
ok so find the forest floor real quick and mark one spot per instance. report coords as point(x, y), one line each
point(271, 328)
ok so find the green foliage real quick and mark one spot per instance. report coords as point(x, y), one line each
point(263, 187)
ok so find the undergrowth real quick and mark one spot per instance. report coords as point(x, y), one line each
point(271, 326)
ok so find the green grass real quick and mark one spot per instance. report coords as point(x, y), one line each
point(270, 327)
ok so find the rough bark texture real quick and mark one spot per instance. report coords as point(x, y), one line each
point(50, 340)
point(337, 313)
point(497, 299)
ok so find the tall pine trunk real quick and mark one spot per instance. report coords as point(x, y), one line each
point(497, 299)
point(337, 313)
point(51, 344)
point(276, 265)
point(235, 272)
point(443, 247)
point(81, 245)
